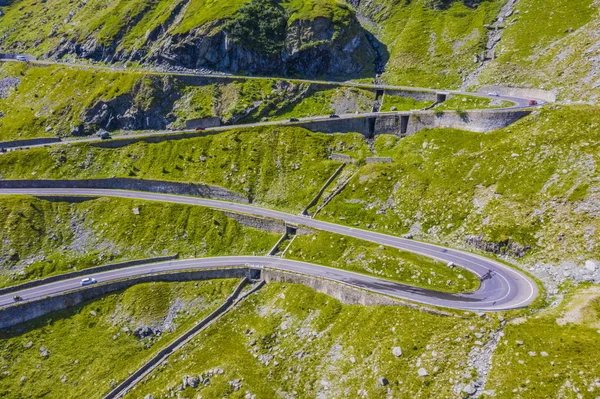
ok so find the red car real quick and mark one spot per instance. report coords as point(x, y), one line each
point(200, 128)
point(533, 102)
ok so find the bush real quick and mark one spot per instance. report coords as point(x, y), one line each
point(259, 25)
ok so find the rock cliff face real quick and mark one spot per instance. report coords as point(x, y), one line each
point(317, 47)
point(313, 48)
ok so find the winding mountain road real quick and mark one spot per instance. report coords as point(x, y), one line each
point(502, 288)
point(518, 103)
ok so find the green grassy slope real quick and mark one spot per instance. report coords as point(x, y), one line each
point(288, 339)
point(52, 101)
point(55, 97)
point(41, 27)
point(40, 238)
point(531, 184)
point(389, 263)
point(430, 47)
point(277, 167)
point(555, 355)
point(91, 347)
point(341, 100)
point(550, 45)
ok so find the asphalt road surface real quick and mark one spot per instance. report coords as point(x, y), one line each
point(502, 287)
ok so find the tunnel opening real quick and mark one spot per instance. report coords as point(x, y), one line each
point(371, 125)
point(404, 124)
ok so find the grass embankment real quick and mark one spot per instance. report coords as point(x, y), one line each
point(274, 166)
point(40, 238)
point(551, 354)
point(92, 347)
point(462, 102)
point(390, 263)
point(290, 340)
point(530, 184)
point(398, 103)
point(343, 100)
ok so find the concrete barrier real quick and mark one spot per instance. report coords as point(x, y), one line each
point(342, 292)
point(83, 272)
point(474, 121)
point(28, 142)
point(314, 201)
point(407, 123)
point(155, 186)
point(371, 160)
point(26, 311)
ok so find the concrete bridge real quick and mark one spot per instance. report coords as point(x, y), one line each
point(407, 123)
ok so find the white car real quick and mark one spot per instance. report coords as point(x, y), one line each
point(20, 58)
point(88, 281)
point(494, 93)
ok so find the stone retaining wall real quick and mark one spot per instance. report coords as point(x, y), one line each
point(30, 310)
point(155, 186)
point(342, 292)
point(29, 142)
point(473, 121)
point(407, 123)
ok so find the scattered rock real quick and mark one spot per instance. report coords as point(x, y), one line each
point(422, 372)
point(44, 352)
point(519, 343)
point(148, 397)
point(544, 354)
point(191, 381)
point(397, 351)
point(469, 389)
point(136, 211)
point(92, 313)
point(590, 265)
point(63, 378)
point(383, 381)
point(23, 379)
point(28, 345)
point(144, 331)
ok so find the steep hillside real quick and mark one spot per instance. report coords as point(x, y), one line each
point(86, 350)
point(430, 43)
point(39, 238)
point(277, 167)
point(310, 38)
point(529, 191)
point(553, 353)
point(59, 101)
point(288, 341)
point(551, 45)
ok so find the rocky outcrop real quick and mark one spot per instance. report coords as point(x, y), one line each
point(148, 106)
point(313, 48)
point(506, 247)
